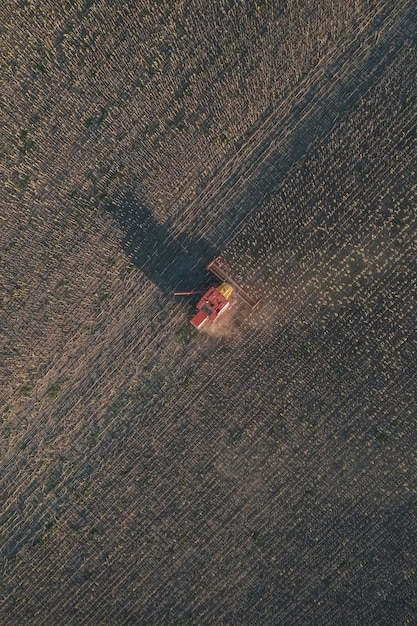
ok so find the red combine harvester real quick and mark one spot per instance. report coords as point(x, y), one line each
point(218, 299)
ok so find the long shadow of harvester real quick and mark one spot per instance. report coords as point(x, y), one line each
point(170, 262)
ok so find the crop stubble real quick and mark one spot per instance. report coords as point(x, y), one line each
point(264, 478)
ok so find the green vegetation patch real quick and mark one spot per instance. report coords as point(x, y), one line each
point(54, 390)
point(185, 335)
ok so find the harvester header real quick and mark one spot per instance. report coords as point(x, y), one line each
point(223, 270)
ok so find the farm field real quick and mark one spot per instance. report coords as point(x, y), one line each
point(264, 472)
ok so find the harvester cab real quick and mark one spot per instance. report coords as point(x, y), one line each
point(212, 304)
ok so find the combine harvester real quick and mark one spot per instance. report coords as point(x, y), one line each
point(217, 299)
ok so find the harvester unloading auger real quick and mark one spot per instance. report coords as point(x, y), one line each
point(218, 299)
